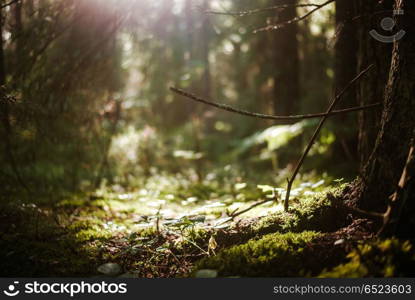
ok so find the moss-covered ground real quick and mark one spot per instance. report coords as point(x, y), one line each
point(175, 229)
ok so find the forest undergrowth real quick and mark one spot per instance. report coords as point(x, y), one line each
point(175, 227)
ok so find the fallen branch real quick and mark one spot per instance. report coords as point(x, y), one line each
point(264, 116)
point(333, 104)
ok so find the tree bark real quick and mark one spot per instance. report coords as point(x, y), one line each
point(384, 168)
point(372, 88)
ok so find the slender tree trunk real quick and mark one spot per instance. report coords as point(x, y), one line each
point(17, 37)
point(205, 33)
point(346, 48)
point(30, 7)
point(2, 60)
point(286, 89)
point(385, 166)
point(114, 119)
point(198, 50)
point(17, 11)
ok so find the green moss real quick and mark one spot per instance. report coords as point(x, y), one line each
point(315, 213)
point(83, 203)
point(273, 255)
point(71, 203)
point(49, 253)
point(34, 244)
point(92, 233)
point(381, 258)
point(311, 213)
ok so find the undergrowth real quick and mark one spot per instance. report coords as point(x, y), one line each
point(147, 236)
point(378, 258)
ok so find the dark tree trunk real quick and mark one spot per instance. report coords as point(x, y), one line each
point(17, 37)
point(372, 88)
point(5, 112)
point(385, 166)
point(345, 70)
point(286, 63)
point(2, 60)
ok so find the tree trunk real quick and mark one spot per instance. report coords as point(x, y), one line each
point(198, 41)
point(286, 89)
point(372, 88)
point(385, 166)
point(346, 48)
point(17, 33)
point(5, 112)
point(205, 34)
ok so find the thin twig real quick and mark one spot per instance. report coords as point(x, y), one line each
point(194, 244)
point(264, 116)
point(294, 20)
point(336, 99)
point(354, 210)
point(234, 215)
point(259, 10)
point(9, 3)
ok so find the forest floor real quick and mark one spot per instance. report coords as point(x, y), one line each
point(176, 229)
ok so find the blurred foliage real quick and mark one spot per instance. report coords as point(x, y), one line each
point(64, 68)
point(91, 81)
point(381, 258)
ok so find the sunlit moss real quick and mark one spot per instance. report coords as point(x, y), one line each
point(92, 233)
point(272, 255)
point(310, 213)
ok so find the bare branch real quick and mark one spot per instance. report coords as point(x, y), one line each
point(317, 132)
point(236, 214)
point(268, 117)
point(259, 10)
point(295, 20)
point(9, 3)
point(400, 197)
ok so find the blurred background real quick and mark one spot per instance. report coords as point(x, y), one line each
point(88, 105)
